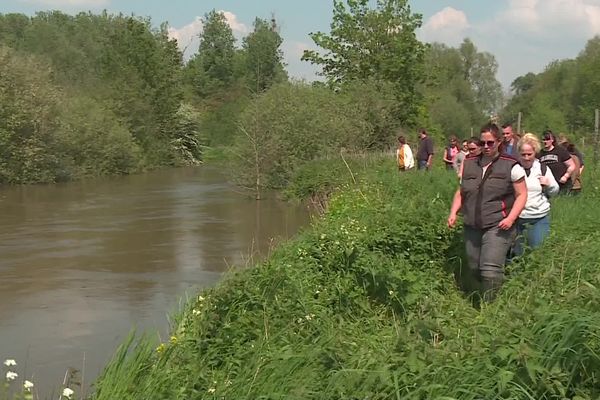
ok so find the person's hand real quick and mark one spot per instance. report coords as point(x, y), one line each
point(544, 181)
point(451, 220)
point(506, 224)
point(428, 164)
point(563, 179)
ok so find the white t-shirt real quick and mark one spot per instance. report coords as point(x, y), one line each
point(537, 205)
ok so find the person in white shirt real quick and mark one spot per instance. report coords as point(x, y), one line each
point(404, 155)
point(533, 225)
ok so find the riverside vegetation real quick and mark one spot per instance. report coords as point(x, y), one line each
point(365, 305)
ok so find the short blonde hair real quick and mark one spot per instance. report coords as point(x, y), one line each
point(532, 140)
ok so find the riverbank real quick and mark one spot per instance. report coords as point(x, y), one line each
point(365, 305)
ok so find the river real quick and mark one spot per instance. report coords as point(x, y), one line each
point(81, 264)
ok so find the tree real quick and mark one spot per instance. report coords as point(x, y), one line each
point(263, 57)
point(212, 68)
point(480, 71)
point(378, 44)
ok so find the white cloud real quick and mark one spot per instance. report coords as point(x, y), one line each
point(553, 18)
point(187, 37)
point(447, 26)
point(70, 3)
point(232, 20)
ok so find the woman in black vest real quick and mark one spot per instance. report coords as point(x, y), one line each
point(491, 196)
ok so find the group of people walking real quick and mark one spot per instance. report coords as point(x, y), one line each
point(505, 183)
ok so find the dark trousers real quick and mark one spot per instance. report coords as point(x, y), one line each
point(486, 254)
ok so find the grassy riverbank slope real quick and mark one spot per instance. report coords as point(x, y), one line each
point(364, 305)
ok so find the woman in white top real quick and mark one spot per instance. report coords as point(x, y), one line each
point(404, 155)
point(533, 224)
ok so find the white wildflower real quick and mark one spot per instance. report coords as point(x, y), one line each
point(323, 236)
point(317, 291)
point(391, 292)
point(211, 390)
point(11, 376)
point(196, 312)
point(28, 385)
point(10, 362)
point(200, 298)
point(68, 392)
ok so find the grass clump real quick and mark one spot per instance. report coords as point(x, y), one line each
point(365, 304)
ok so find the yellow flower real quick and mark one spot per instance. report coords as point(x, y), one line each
point(161, 347)
point(173, 340)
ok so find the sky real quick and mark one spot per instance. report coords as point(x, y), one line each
point(523, 35)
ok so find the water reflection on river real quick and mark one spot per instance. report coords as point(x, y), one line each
point(82, 263)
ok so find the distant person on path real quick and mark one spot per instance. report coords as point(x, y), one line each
point(510, 139)
point(491, 196)
point(460, 157)
point(563, 140)
point(404, 155)
point(558, 159)
point(533, 225)
point(451, 152)
point(576, 176)
point(474, 149)
point(425, 150)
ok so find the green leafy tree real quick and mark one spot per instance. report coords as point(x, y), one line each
point(263, 57)
point(379, 44)
point(212, 68)
point(28, 106)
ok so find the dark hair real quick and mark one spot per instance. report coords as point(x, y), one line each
point(402, 139)
point(423, 131)
point(453, 138)
point(474, 140)
point(507, 125)
point(496, 132)
point(548, 134)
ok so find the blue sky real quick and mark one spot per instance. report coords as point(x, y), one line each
point(524, 35)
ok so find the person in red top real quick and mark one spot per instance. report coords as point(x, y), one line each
point(451, 152)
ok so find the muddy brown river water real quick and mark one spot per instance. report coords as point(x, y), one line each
point(81, 264)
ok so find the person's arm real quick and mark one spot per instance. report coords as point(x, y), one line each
point(520, 188)
point(461, 169)
point(455, 208)
point(549, 184)
point(429, 152)
point(446, 159)
point(570, 168)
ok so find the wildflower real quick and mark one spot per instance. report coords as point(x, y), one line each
point(11, 376)
point(317, 291)
point(28, 385)
point(200, 298)
point(10, 362)
point(391, 292)
point(309, 317)
point(173, 340)
point(161, 347)
point(211, 390)
point(323, 236)
point(67, 392)
point(196, 312)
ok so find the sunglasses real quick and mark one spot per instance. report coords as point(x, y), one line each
point(487, 143)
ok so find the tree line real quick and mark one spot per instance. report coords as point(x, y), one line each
point(102, 94)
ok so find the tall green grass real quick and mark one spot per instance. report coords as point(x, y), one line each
point(365, 304)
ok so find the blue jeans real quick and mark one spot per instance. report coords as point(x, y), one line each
point(423, 164)
point(531, 232)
